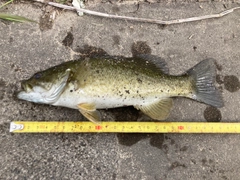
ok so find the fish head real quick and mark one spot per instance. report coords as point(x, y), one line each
point(45, 87)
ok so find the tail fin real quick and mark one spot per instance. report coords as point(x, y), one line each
point(203, 75)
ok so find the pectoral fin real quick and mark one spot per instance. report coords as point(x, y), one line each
point(89, 111)
point(158, 110)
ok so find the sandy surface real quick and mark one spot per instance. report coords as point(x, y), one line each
point(27, 48)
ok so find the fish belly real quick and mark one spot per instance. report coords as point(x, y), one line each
point(103, 100)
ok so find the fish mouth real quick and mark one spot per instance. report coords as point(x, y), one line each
point(26, 87)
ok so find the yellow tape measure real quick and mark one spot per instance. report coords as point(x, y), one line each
point(123, 127)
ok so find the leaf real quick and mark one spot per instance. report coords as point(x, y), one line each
point(15, 18)
point(6, 3)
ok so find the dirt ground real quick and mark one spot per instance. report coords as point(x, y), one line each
point(61, 35)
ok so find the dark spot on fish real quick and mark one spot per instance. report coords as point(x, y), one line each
point(219, 67)
point(127, 91)
point(84, 80)
point(194, 48)
point(212, 114)
point(139, 80)
point(97, 71)
point(71, 90)
point(175, 165)
point(121, 95)
point(161, 90)
point(157, 140)
point(137, 91)
point(124, 87)
point(179, 94)
point(116, 40)
point(231, 83)
point(140, 47)
point(91, 51)
point(219, 79)
point(68, 40)
point(168, 90)
point(157, 43)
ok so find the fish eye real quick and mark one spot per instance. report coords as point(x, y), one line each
point(37, 75)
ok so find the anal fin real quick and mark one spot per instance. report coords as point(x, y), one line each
point(89, 111)
point(158, 110)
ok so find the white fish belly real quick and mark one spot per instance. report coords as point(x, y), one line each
point(71, 100)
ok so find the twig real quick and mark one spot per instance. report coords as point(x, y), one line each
point(146, 20)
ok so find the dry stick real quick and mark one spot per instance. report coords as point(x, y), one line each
point(176, 21)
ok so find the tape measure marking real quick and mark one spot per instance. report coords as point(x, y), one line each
point(123, 127)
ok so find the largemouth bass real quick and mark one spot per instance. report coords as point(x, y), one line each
point(109, 82)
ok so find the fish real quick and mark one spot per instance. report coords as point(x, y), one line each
point(107, 82)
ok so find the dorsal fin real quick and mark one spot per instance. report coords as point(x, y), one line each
point(142, 61)
point(154, 62)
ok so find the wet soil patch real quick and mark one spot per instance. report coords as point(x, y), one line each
point(128, 139)
point(157, 140)
point(68, 40)
point(91, 51)
point(128, 114)
point(231, 83)
point(140, 47)
point(212, 114)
